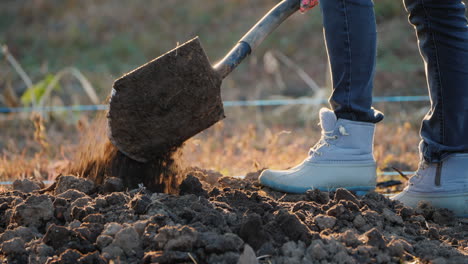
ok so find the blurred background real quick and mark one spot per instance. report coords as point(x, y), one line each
point(69, 52)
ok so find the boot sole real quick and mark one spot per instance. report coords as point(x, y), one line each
point(359, 173)
point(359, 190)
point(339, 177)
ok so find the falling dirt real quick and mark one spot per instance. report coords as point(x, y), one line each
point(218, 219)
point(97, 159)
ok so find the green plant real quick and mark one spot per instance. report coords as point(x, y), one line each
point(36, 92)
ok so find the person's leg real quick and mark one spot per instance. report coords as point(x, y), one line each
point(442, 177)
point(351, 40)
point(442, 31)
point(343, 157)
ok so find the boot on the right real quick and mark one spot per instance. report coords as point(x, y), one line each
point(443, 184)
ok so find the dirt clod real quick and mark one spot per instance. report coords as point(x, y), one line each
point(343, 194)
point(252, 231)
point(27, 185)
point(94, 258)
point(374, 238)
point(112, 184)
point(35, 211)
point(325, 222)
point(129, 241)
point(13, 247)
point(65, 183)
point(103, 241)
point(248, 256)
point(191, 185)
point(26, 234)
point(318, 196)
point(111, 229)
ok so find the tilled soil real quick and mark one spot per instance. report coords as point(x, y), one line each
point(217, 219)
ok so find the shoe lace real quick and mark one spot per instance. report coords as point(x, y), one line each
point(325, 140)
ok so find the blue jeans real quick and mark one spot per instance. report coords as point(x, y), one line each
point(442, 31)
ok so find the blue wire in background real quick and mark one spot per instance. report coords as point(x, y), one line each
point(278, 102)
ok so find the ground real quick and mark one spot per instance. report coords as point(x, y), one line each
point(211, 218)
point(216, 219)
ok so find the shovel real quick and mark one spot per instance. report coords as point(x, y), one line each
point(155, 108)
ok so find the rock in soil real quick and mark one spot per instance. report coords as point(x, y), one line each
point(27, 185)
point(65, 183)
point(223, 220)
point(35, 211)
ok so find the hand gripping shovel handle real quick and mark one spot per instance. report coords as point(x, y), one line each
point(256, 35)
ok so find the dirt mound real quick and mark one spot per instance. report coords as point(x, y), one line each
point(222, 220)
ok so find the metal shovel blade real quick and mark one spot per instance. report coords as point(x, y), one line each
point(158, 106)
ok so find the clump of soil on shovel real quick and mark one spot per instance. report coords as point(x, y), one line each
point(98, 159)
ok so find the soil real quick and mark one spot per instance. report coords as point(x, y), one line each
point(217, 219)
point(160, 105)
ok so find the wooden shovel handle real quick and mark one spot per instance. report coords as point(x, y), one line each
point(256, 35)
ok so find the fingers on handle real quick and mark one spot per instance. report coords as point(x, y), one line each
point(308, 4)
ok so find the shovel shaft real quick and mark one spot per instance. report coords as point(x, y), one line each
point(256, 35)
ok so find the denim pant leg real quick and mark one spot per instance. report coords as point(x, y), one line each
point(350, 35)
point(442, 31)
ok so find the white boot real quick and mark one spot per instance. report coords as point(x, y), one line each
point(341, 159)
point(444, 185)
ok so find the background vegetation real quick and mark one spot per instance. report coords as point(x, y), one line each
point(104, 39)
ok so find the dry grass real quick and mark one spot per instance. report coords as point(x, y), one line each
point(232, 147)
point(250, 149)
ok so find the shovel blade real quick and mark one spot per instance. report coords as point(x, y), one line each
point(158, 106)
